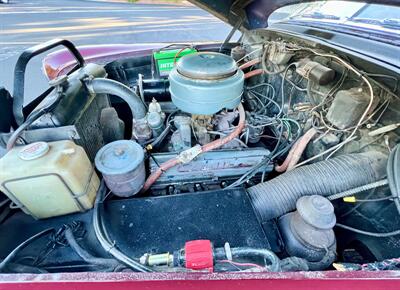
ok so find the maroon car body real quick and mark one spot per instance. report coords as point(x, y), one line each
point(388, 280)
point(59, 63)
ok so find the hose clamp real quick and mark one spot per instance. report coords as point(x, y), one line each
point(89, 85)
point(228, 251)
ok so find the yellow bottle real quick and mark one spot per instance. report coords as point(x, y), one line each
point(49, 179)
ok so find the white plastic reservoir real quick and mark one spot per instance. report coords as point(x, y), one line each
point(49, 179)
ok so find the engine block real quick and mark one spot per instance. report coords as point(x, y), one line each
point(210, 168)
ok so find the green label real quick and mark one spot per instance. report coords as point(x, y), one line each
point(165, 58)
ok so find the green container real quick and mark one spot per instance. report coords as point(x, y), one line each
point(164, 59)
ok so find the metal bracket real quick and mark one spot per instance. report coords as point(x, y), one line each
point(51, 134)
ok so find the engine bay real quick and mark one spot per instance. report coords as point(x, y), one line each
point(274, 154)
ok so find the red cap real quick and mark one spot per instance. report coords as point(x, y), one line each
point(199, 255)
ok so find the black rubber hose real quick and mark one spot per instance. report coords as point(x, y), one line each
point(14, 253)
point(367, 233)
point(278, 196)
point(161, 137)
point(32, 118)
point(86, 256)
point(241, 252)
point(14, 137)
point(111, 87)
point(25, 269)
point(393, 172)
point(104, 238)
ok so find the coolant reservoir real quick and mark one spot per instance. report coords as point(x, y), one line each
point(49, 179)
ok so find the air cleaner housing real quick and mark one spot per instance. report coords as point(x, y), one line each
point(205, 83)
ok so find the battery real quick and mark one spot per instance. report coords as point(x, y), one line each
point(165, 59)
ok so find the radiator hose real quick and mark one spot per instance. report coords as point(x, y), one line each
point(278, 196)
point(111, 87)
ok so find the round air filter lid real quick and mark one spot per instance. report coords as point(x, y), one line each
point(206, 83)
point(119, 157)
point(207, 66)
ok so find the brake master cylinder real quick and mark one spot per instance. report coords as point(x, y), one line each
point(308, 232)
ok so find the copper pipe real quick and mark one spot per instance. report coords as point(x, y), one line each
point(296, 152)
point(285, 164)
point(253, 73)
point(207, 147)
point(250, 63)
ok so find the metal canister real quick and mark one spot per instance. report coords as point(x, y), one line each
point(308, 232)
point(122, 165)
point(205, 83)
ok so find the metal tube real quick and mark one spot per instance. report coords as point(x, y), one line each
point(358, 189)
point(111, 87)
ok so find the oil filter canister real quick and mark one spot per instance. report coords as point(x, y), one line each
point(122, 165)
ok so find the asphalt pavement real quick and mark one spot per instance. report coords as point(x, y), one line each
point(24, 23)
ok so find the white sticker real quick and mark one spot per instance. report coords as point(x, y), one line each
point(34, 150)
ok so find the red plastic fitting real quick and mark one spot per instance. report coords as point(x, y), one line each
point(199, 255)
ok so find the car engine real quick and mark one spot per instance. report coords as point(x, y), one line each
point(273, 154)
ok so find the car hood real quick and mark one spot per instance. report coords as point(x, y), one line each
point(252, 14)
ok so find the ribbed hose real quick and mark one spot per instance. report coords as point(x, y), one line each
point(24, 269)
point(276, 197)
point(393, 171)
